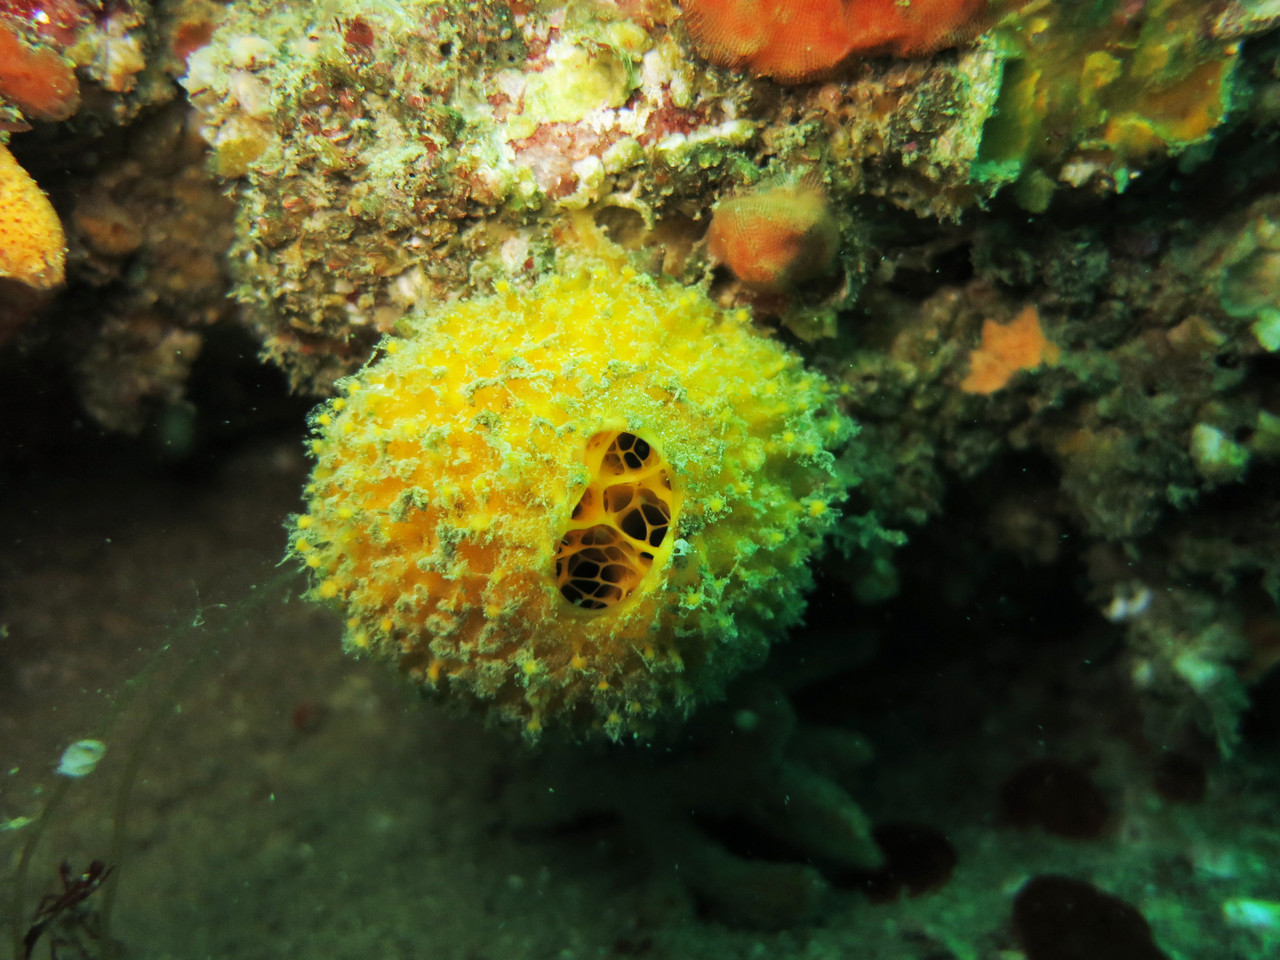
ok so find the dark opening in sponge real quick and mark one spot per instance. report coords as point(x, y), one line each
point(621, 517)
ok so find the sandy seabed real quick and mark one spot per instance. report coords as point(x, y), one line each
point(292, 802)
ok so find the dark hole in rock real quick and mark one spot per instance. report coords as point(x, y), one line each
point(1180, 778)
point(918, 859)
point(1056, 796)
point(1061, 918)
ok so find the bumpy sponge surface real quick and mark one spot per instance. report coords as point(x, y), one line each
point(589, 503)
point(32, 246)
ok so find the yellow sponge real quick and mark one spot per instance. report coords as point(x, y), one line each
point(590, 502)
point(32, 246)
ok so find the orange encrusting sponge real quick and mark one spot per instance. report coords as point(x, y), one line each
point(587, 504)
point(775, 237)
point(32, 245)
point(40, 81)
point(1006, 349)
point(795, 41)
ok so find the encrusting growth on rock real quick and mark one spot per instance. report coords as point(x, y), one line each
point(40, 81)
point(775, 237)
point(1007, 348)
point(798, 42)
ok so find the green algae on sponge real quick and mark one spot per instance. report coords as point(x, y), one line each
point(588, 504)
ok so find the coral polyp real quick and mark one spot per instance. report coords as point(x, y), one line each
point(590, 502)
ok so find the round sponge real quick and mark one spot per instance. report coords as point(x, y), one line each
point(588, 503)
point(33, 249)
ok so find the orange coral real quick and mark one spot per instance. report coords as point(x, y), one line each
point(799, 40)
point(1006, 349)
point(32, 246)
point(41, 82)
point(775, 237)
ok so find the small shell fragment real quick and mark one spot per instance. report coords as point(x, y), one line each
point(79, 759)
